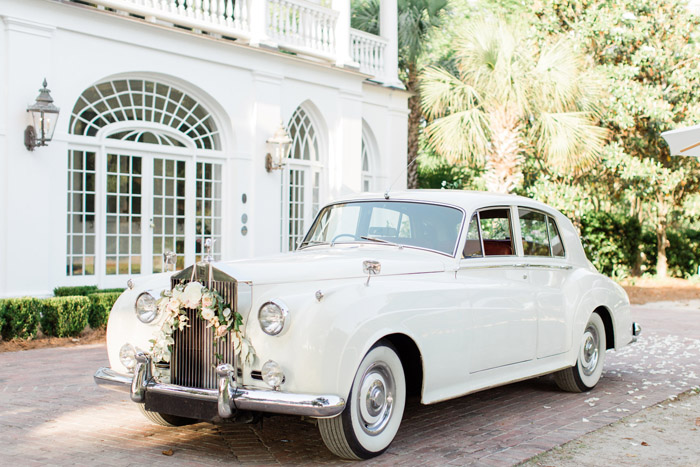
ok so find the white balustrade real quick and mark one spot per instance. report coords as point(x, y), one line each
point(302, 26)
point(370, 52)
point(223, 17)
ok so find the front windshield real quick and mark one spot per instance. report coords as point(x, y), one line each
point(419, 225)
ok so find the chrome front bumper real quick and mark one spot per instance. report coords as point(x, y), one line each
point(228, 397)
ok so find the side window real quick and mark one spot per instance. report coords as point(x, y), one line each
point(472, 249)
point(533, 227)
point(496, 232)
point(554, 238)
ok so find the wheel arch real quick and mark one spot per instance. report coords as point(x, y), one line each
point(411, 359)
point(605, 315)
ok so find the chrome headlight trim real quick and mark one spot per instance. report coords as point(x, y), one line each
point(146, 308)
point(272, 317)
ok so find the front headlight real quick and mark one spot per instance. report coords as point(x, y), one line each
point(127, 355)
point(146, 308)
point(272, 316)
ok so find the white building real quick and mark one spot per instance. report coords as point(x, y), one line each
point(166, 107)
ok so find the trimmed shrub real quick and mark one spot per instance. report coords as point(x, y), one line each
point(100, 306)
point(611, 242)
point(64, 316)
point(20, 317)
point(74, 291)
point(119, 289)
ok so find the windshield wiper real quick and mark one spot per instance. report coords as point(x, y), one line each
point(312, 242)
point(381, 240)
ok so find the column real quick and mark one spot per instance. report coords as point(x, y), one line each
point(258, 24)
point(342, 33)
point(388, 29)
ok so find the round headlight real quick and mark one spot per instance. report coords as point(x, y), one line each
point(146, 308)
point(272, 373)
point(272, 316)
point(127, 355)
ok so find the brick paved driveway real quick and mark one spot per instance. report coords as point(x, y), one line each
point(51, 412)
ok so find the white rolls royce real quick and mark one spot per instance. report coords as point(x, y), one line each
point(440, 293)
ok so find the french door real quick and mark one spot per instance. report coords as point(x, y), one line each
point(155, 205)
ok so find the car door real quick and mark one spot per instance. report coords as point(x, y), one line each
point(548, 270)
point(497, 293)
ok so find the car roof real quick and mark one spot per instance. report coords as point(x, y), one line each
point(468, 200)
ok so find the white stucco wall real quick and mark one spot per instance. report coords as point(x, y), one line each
point(248, 90)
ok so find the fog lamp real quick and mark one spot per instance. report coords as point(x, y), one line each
point(272, 374)
point(127, 355)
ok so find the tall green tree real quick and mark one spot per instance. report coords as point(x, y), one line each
point(510, 98)
point(648, 51)
point(416, 20)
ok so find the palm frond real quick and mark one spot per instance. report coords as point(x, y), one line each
point(443, 93)
point(365, 16)
point(569, 140)
point(460, 136)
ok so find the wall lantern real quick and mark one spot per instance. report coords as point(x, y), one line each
point(44, 116)
point(281, 142)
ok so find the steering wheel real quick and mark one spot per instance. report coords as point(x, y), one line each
point(354, 237)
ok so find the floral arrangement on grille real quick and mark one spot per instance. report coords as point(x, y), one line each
point(211, 308)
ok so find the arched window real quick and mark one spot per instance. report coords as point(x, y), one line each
point(139, 100)
point(302, 186)
point(147, 180)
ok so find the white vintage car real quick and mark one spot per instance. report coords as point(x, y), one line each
point(441, 293)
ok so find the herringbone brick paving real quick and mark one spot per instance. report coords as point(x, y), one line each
point(51, 413)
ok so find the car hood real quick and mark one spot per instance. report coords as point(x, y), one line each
point(328, 263)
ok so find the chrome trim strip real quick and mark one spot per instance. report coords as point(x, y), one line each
point(259, 400)
point(510, 266)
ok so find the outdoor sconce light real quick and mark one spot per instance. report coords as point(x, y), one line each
point(281, 141)
point(44, 116)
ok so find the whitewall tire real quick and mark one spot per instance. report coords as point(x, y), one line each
point(591, 357)
point(373, 410)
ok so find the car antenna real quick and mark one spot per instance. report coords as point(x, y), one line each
point(403, 173)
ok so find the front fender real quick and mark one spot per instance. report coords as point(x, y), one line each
point(327, 339)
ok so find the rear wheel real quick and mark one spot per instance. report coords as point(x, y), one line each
point(165, 419)
point(591, 356)
point(374, 409)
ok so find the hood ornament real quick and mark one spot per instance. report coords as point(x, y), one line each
point(208, 246)
point(371, 268)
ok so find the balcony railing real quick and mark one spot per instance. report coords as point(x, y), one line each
point(299, 26)
point(369, 51)
point(302, 26)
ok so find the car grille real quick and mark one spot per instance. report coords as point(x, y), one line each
point(193, 362)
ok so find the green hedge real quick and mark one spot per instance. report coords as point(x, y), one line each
point(19, 317)
point(611, 242)
point(74, 290)
point(84, 290)
point(100, 306)
point(682, 252)
point(64, 316)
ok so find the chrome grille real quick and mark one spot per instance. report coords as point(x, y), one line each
point(193, 362)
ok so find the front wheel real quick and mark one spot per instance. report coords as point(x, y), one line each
point(165, 419)
point(591, 356)
point(374, 409)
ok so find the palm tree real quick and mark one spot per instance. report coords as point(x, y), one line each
point(509, 95)
point(415, 21)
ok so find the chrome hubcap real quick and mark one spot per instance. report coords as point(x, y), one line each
point(589, 350)
point(375, 400)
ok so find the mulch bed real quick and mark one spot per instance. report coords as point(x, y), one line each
point(40, 342)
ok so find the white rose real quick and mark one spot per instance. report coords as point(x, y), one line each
point(208, 314)
point(192, 294)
